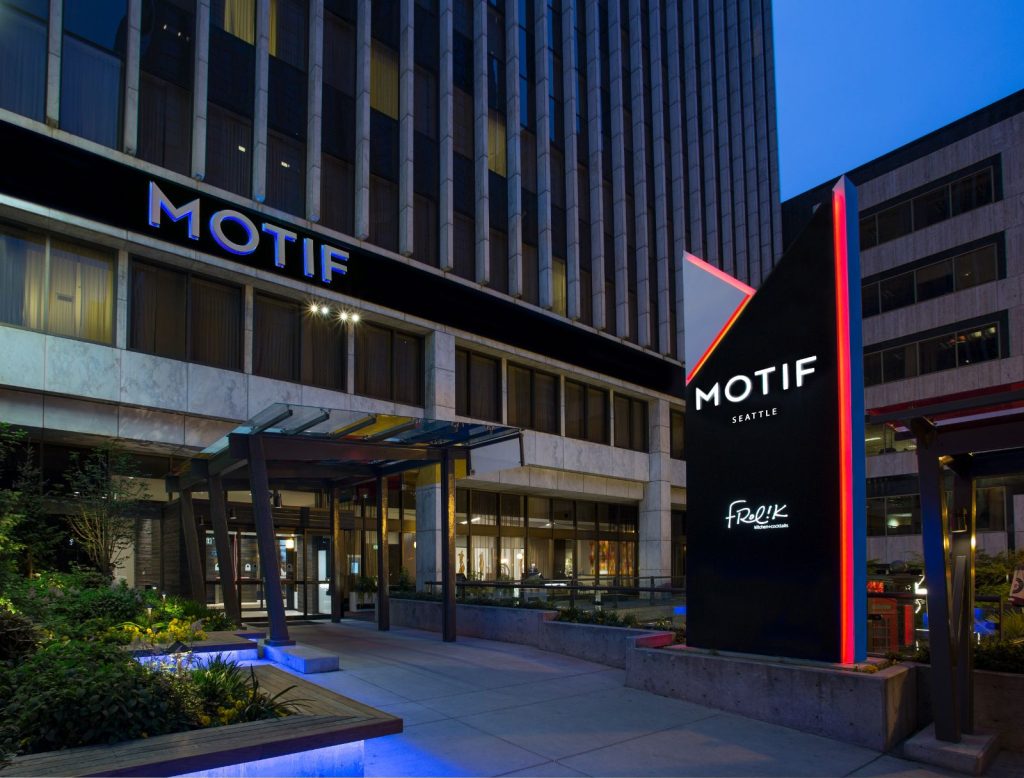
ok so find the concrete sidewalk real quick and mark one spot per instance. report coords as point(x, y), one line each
point(479, 707)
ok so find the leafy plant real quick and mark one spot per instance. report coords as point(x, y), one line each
point(104, 495)
point(405, 581)
point(19, 637)
point(366, 585)
point(75, 694)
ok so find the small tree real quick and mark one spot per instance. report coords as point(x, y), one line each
point(105, 495)
point(12, 503)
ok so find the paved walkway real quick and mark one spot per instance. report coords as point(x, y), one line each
point(479, 707)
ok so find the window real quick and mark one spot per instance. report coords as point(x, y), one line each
point(533, 399)
point(558, 286)
point(92, 69)
point(292, 344)
point(586, 412)
point(384, 80)
point(23, 31)
point(895, 515)
point(55, 286)
point(943, 350)
point(237, 17)
point(229, 139)
point(630, 423)
point(228, 147)
point(883, 439)
point(677, 437)
point(932, 279)
point(178, 315)
point(389, 364)
point(477, 386)
point(963, 193)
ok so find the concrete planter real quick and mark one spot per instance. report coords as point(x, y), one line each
point(596, 643)
point(875, 710)
point(998, 703)
point(532, 627)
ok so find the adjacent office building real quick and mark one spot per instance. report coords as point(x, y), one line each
point(416, 208)
point(942, 257)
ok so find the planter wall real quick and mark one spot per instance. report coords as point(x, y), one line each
point(594, 642)
point(998, 703)
point(875, 710)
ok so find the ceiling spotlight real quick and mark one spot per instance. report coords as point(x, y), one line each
point(314, 308)
point(343, 315)
point(242, 149)
point(324, 310)
point(354, 318)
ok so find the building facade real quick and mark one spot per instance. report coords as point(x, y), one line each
point(503, 192)
point(942, 257)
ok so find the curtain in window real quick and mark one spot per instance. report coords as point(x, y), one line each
point(638, 425)
point(216, 327)
point(373, 361)
point(239, 17)
point(275, 339)
point(22, 273)
point(337, 203)
point(383, 213)
point(228, 150)
point(496, 158)
point(597, 415)
point(23, 63)
point(545, 411)
point(558, 286)
point(81, 294)
point(384, 80)
point(519, 397)
point(323, 352)
point(90, 94)
point(158, 304)
point(286, 174)
point(408, 368)
point(485, 374)
point(425, 230)
point(574, 410)
point(165, 123)
point(621, 405)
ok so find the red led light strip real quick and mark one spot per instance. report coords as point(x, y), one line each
point(846, 605)
point(748, 291)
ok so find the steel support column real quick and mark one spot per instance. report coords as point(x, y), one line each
point(338, 570)
point(270, 560)
point(934, 531)
point(448, 546)
point(193, 556)
point(962, 553)
point(226, 560)
point(383, 599)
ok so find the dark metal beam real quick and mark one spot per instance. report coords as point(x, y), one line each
point(226, 559)
point(988, 435)
point(383, 598)
point(270, 562)
point(339, 570)
point(305, 449)
point(448, 627)
point(976, 403)
point(193, 555)
point(962, 551)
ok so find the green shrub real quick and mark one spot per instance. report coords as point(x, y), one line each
point(76, 694)
point(19, 637)
point(996, 656)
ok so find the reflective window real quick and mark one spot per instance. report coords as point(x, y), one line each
point(630, 423)
point(956, 348)
point(389, 364)
point(23, 31)
point(586, 412)
point(533, 399)
point(477, 386)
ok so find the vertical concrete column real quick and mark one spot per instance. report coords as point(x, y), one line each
point(350, 359)
point(504, 400)
point(656, 506)
point(737, 179)
point(691, 84)
point(660, 173)
point(771, 202)
point(247, 333)
point(259, 116)
point(596, 145)
point(542, 92)
point(708, 123)
point(677, 141)
point(53, 39)
point(314, 111)
point(570, 69)
point(200, 89)
point(512, 150)
point(362, 166)
point(121, 330)
point(482, 213)
point(750, 150)
point(132, 55)
point(406, 126)
point(720, 138)
point(639, 182)
point(446, 131)
point(439, 359)
point(618, 172)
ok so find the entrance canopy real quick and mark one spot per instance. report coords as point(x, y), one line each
point(302, 447)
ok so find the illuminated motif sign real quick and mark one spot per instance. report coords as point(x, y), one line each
point(237, 234)
point(775, 457)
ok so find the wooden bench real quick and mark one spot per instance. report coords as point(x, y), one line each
point(325, 719)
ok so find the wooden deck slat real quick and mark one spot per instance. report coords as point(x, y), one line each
point(327, 719)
